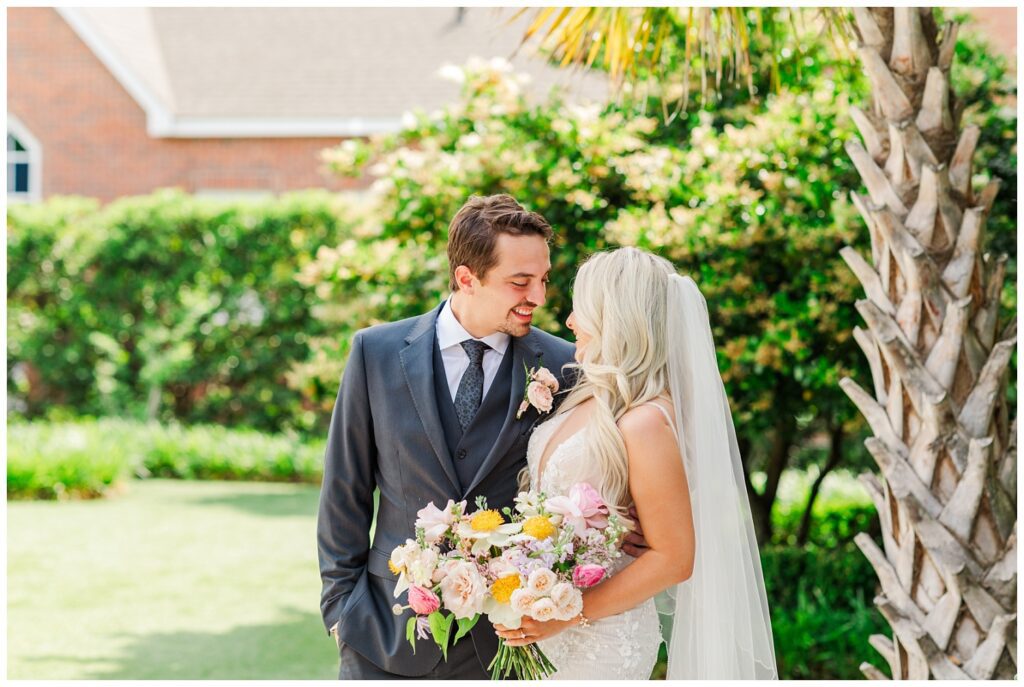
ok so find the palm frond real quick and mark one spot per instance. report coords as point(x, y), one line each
point(630, 42)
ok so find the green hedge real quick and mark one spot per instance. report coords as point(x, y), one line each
point(821, 608)
point(166, 307)
point(48, 461)
point(822, 612)
point(88, 458)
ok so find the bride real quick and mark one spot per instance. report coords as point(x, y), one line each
point(649, 425)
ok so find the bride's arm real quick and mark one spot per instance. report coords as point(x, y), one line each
point(657, 482)
point(658, 485)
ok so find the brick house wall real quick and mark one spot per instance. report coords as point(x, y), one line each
point(93, 133)
point(1000, 26)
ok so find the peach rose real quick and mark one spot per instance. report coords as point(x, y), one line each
point(522, 600)
point(540, 396)
point(544, 376)
point(543, 610)
point(541, 581)
point(463, 589)
point(568, 601)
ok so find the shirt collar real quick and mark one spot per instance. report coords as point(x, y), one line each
point(450, 332)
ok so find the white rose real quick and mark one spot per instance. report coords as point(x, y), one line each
point(567, 599)
point(400, 559)
point(463, 589)
point(522, 601)
point(575, 606)
point(401, 555)
point(542, 610)
point(541, 581)
point(421, 567)
point(561, 593)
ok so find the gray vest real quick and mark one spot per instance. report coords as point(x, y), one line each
point(469, 449)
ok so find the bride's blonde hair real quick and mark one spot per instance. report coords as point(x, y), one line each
point(620, 301)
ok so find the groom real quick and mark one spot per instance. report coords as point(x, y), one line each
point(427, 412)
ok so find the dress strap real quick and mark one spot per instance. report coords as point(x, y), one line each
point(671, 422)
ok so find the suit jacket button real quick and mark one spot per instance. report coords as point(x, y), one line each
point(461, 454)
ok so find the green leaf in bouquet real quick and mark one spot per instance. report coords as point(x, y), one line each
point(410, 633)
point(465, 625)
point(440, 627)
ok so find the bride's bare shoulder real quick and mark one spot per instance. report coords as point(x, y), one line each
point(651, 444)
point(647, 421)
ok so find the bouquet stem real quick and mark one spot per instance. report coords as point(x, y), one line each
point(527, 662)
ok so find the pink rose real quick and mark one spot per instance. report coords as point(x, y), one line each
point(544, 376)
point(587, 575)
point(581, 508)
point(422, 600)
point(435, 522)
point(540, 396)
point(591, 504)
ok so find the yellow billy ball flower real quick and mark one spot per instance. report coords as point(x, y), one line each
point(503, 588)
point(538, 527)
point(487, 521)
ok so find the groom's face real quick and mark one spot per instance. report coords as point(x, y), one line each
point(504, 300)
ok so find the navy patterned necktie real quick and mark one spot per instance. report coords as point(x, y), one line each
point(471, 388)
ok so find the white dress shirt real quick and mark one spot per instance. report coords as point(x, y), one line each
point(451, 334)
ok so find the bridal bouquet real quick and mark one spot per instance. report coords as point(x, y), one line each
point(532, 561)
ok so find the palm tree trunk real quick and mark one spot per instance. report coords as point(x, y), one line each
point(938, 411)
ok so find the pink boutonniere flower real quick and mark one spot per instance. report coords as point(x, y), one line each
point(541, 386)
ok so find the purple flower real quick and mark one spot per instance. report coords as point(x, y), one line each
point(422, 627)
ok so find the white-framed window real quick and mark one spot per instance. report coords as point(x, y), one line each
point(24, 163)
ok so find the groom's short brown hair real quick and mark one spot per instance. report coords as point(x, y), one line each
point(474, 231)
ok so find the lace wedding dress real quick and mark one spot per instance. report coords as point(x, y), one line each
point(619, 647)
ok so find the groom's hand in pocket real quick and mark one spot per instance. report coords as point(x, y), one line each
point(334, 633)
point(634, 544)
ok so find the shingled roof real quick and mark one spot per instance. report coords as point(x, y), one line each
point(234, 71)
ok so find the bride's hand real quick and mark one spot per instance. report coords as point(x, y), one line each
point(531, 630)
point(634, 544)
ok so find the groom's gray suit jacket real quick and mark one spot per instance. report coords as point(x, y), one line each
point(387, 432)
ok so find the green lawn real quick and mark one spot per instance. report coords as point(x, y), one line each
point(172, 579)
point(200, 579)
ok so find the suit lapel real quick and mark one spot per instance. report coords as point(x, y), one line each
point(418, 367)
point(525, 351)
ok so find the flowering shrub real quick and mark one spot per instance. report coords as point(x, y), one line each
point(749, 201)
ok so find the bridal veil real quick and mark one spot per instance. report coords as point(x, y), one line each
point(718, 625)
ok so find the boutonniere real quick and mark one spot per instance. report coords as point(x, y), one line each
point(540, 389)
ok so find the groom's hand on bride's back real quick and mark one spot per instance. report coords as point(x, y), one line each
point(634, 544)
